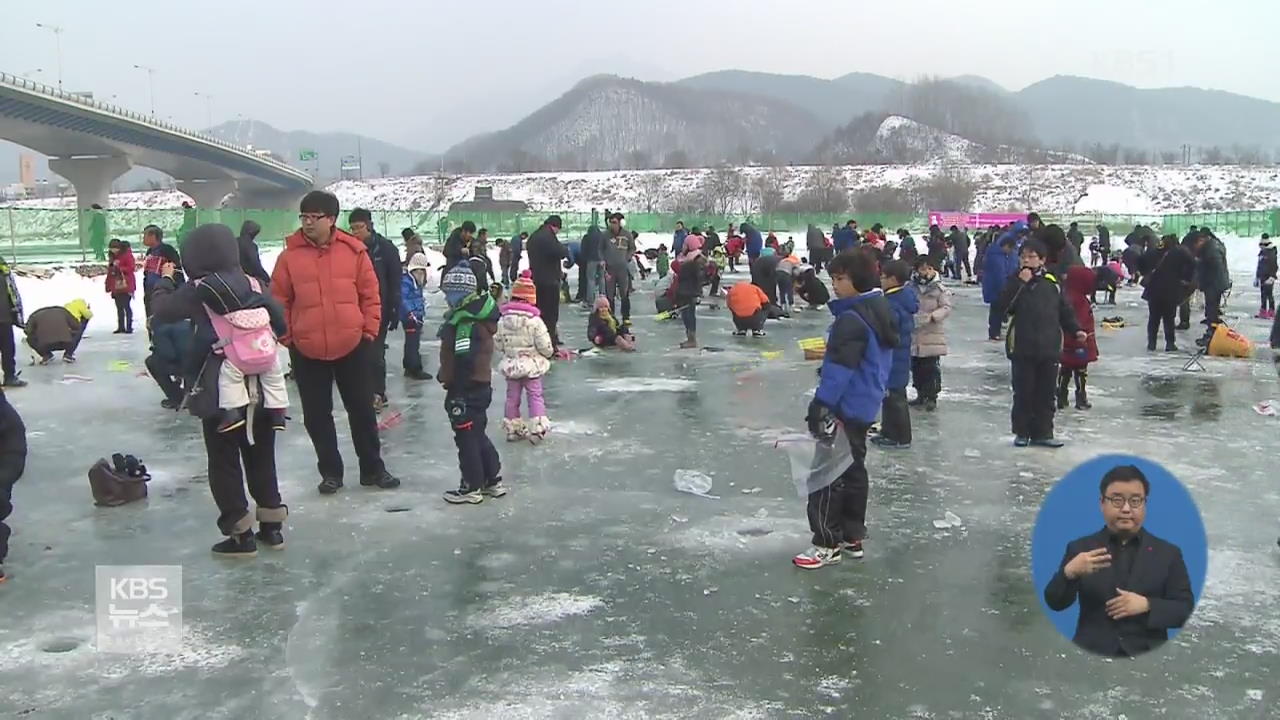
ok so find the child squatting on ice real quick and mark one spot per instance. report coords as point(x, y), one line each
point(466, 356)
point(851, 385)
point(526, 349)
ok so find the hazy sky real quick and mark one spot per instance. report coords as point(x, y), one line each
point(428, 74)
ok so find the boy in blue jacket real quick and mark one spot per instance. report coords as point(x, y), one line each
point(1000, 263)
point(895, 416)
point(414, 314)
point(851, 386)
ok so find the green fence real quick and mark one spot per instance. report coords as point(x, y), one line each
point(51, 235)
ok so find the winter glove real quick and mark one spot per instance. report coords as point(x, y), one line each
point(821, 422)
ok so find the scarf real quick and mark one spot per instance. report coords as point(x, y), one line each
point(463, 319)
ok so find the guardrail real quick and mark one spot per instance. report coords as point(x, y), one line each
point(125, 114)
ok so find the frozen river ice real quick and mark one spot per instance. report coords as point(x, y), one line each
point(596, 590)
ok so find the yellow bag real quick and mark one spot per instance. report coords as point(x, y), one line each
point(1229, 343)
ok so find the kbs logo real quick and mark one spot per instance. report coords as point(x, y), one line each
point(139, 608)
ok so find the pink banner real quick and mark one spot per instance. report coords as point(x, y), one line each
point(945, 219)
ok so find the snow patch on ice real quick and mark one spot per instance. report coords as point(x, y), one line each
point(637, 384)
point(540, 609)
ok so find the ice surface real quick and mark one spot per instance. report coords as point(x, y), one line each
point(583, 592)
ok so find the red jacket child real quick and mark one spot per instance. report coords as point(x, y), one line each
point(1077, 287)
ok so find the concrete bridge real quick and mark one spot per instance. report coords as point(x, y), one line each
point(92, 143)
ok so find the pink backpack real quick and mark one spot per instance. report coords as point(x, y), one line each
point(245, 337)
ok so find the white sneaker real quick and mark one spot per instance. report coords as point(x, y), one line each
point(817, 557)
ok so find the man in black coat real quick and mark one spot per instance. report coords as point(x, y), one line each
point(1212, 276)
point(1132, 586)
point(1184, 310)
point(250, 259)
point(1076, 238)
point(1168, 271)
point(386, 265)
point(458, 245)
point(1034, 344)
point(545, 254)
point(959, 242)
point(711, 242)
point(13, 461)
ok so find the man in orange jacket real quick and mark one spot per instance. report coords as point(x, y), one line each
point(326, 283)
point(749, 306)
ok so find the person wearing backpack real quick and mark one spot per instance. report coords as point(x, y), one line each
point(247, 326)
point(244, 457)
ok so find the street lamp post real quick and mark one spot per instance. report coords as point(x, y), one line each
point(208, 108)
point(57, 40)
point(151, 85)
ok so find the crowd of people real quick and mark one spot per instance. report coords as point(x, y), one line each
point(218, 322)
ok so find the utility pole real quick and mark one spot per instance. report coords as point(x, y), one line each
point(208, 108)
point(57, 39)
point(151, 85)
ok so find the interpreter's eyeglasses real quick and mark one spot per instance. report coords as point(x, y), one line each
point(1118, 501)
point(312, 217)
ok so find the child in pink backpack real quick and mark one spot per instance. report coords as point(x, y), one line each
point(526, 348)
point(248, 325)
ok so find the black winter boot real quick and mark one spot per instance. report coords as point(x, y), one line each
point(1082, 390)
point(237, 546)
point(1064, 380)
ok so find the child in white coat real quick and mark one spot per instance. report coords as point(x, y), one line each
point(526, 349)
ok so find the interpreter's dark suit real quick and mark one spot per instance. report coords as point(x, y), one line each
point(1148, 566)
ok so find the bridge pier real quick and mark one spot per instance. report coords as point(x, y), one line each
point(208, 194)
point(91, 177)
point(269, 199)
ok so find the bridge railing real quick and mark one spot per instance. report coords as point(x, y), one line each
point(43, 89)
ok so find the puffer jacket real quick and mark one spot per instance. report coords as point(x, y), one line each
point(905, 304)
point(330, 295)
point(1077, 289)
point(524, 342)
point(930, 336)
point(1040, 316)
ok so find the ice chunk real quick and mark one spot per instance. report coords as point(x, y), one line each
point(952, 519)
point(694, 483)
point(941, 524)
point(749, 491)
point(971, 453)
point(1253, 694)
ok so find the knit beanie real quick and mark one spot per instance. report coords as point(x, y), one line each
point(523, 290)
point(458, 283)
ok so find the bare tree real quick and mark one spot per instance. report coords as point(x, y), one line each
point(952, 189)
point(722, 189)
point(769, 190)
point(651, 187)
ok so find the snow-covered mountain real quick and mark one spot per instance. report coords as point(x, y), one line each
point(607, 121)
point(895, 139)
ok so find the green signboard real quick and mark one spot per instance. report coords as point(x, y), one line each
point(305, 155)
